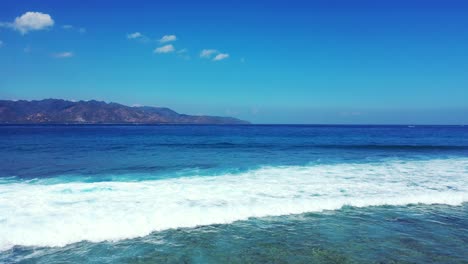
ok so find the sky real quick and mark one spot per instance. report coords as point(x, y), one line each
point(301, 62)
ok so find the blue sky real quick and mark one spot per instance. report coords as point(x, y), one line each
point(277, 61)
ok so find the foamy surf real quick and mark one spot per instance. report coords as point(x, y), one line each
point(33, 214)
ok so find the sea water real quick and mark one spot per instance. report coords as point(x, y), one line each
point(233, 194)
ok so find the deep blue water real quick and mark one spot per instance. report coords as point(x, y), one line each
point(233, 194)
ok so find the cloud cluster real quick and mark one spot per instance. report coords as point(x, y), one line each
point(35, 21)
point(169, 47)
point(30, 21)
point(213, 54)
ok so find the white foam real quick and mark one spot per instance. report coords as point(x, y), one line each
point(34, 214)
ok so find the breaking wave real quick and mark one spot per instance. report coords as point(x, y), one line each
point(35, 214)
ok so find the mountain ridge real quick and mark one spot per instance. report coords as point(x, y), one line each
point(59, 111)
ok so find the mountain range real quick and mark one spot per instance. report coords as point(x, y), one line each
point(57, 111)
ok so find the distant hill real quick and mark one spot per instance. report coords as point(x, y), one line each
point(56, 111)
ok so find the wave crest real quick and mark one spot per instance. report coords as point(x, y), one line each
point(33, 214)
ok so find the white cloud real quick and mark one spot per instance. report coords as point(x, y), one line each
point(207, 53)
point(82, 30)
point(64, 55)
point(182, 51)
point(30, 21)
point(1, 43)
point(165, 49)
point(168, 38)
point(221, 56)
point(134, 35)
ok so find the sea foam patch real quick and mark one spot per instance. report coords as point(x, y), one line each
point(34, 214)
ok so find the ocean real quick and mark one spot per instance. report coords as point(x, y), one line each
point(233, 194)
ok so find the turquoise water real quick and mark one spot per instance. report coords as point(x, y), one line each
point(233, 194)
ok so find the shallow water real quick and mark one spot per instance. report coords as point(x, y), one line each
point(236, 194)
